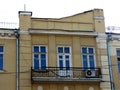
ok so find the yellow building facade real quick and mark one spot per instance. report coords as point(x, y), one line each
point(7, 59)
point(68, 53)
point(57, 53)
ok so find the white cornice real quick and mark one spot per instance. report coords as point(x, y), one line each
point(23, 32)
point(7, 31)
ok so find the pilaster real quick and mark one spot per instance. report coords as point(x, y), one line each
point(101, 46)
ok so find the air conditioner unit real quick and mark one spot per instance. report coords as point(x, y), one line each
point(90, 73)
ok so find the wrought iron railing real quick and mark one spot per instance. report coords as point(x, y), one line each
point(71, 73)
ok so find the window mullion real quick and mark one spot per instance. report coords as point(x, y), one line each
point(39, 60)
point(88, 61)
point(64, 60)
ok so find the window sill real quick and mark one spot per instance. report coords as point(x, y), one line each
point(1, 71)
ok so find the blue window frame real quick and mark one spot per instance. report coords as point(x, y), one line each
point(39, 57)
point(88, 57)
point(1, 57)
point(118, 59)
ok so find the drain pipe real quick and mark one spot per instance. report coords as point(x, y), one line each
point(17, 58)
point(109, 38)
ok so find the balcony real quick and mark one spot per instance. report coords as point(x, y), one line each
point(65, 75)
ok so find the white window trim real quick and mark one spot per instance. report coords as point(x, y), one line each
point(33, 55)
point(87, 56)
point(65, 54)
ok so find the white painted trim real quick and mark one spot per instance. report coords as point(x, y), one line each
point(7, 31)
point(66, 54)
point(4, 37)
point(39, 57)
point(23, 32)
point(87, 56)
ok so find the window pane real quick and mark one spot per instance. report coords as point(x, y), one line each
point(90, 50)
point(118, 52)
point(43, 64)
point(1, 64)
point(84, 50)
point(36, 61)
point(43, 49)
point(61, 64)
point(60, 49)
point(43, 57)
point(66, 50)
point(118, 64)
point(36, 48)
point(1, 61)
point(1, 56)
point(67, 57)
point(91, 62)
point(1, 48)
point(43, 61)
point(85, 64)
point(67, 65)
point(36, 57)
point(60, 57)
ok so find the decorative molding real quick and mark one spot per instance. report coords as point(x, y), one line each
point(99, 17)
point(23, 32)
point(94, 34)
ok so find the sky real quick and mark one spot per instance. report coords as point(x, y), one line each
point(59, 8)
